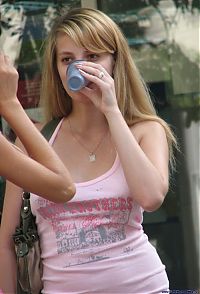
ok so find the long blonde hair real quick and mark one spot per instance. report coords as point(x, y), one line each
point(95, 31)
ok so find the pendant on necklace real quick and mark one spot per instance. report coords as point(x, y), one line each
point(92, 157)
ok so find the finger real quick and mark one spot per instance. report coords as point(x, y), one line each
point(91, 93)
point(92, 68)
point(96, 78)
point(1, 56)
point(100, 74)
point(95, 66)
point(7, 60)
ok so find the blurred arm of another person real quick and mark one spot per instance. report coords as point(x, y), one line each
point(42, 172)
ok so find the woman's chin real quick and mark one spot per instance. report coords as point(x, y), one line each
point(79, 97)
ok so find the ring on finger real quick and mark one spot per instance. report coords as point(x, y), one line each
point(101, 75)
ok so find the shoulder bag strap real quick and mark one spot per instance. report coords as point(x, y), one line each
point(26, 215)
point(49, 128)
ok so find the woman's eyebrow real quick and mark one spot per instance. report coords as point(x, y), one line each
point(64, 52)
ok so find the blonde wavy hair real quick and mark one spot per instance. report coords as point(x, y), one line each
point(95, 31)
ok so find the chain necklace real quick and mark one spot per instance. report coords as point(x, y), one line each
point(92, 154)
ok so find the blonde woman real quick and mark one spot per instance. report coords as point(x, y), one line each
point(117, 151)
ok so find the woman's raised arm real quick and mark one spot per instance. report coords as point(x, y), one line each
point(41, 172)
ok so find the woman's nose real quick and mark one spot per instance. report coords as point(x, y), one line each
point(80, 57)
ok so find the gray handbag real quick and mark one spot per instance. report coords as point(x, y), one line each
point(27, 247)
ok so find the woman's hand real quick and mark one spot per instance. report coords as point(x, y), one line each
point(101, 88)
point(8, 82)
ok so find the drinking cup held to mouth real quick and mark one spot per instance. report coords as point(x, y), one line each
point(75, 80)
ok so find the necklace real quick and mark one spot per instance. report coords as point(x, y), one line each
point(92, 154)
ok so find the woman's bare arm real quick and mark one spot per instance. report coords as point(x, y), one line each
point(10, 219)
point(42, 172)
point(145, 160)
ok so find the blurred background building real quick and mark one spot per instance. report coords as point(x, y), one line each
point(164, 40)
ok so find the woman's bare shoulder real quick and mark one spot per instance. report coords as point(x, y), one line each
point(147, 127)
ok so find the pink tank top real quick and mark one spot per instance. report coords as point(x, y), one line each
point(95, 243)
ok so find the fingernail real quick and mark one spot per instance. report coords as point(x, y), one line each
point(82, 71)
